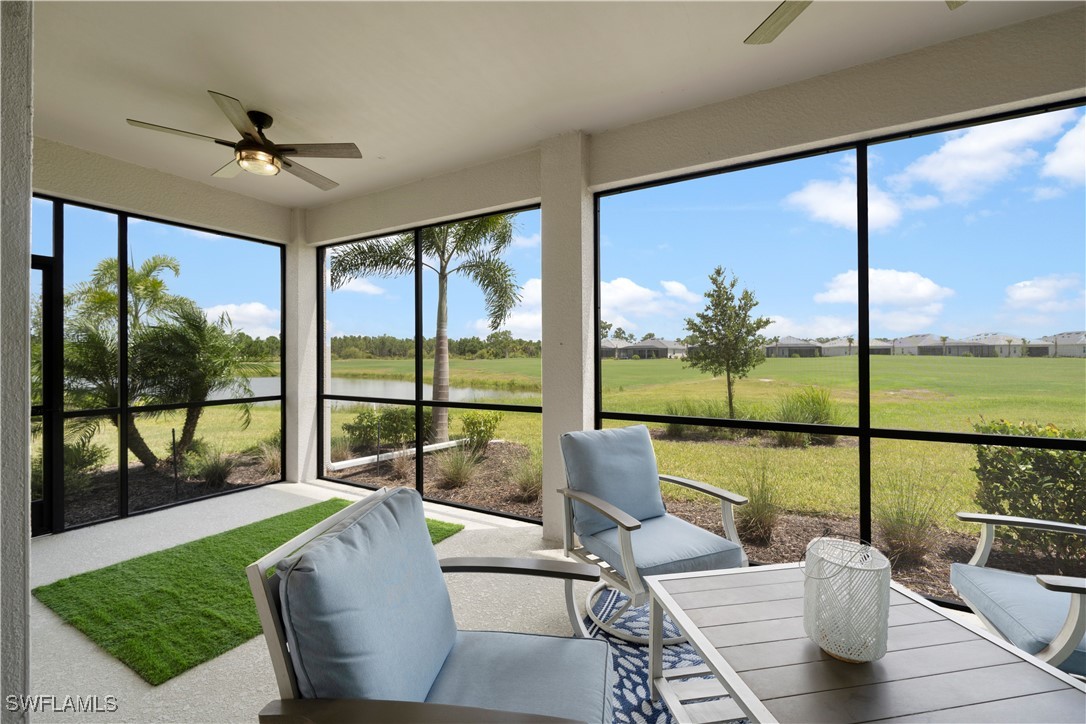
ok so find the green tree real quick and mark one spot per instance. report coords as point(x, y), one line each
point(501, 342)
point(175, 354)
point(726, 338)
point(850, 340)
point(648, 335)
point(472, 249)
point(605, 329)
point(624, 336)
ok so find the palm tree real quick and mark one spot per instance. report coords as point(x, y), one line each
point(470, 248)
point(175, 354)
point(943, 339)
point(850, 340)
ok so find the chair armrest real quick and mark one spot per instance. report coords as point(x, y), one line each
point(1063, 584)
point(524, 566)
point(333, 711)
point(733, 498)
point(1010, 520)
point(622, 519)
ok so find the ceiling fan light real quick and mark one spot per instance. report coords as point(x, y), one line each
point(259, 162)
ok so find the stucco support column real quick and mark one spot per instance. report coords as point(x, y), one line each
point(300, 366)
point(568, 304)
point(16, 100)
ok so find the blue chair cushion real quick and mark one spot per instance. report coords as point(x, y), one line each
point(562, 677)
point(618, 466)
point(667, 545)
point(1023, 611)
point(365, 608)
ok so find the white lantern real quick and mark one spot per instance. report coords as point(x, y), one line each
point(846, 599)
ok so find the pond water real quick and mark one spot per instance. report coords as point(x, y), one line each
point(396, 389)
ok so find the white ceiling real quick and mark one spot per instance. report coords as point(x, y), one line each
point(426, 88)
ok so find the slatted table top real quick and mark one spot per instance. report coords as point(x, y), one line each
point(747, 624)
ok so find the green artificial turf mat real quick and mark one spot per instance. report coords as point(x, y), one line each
point(166, 612)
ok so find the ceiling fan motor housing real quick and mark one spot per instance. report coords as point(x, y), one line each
point(260, 119)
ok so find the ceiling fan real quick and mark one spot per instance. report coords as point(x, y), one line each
point(788, 11)
point(255, 153)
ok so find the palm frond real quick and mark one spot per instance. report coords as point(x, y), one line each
point(498, 282)
point(388, 257)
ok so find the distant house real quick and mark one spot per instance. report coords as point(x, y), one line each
point(653, 349)
point(840, 347)
point(880, 346)
point(1001, 344)
point(611, 348)
point(931, 345)
point(793, 347)
point(1067, 344)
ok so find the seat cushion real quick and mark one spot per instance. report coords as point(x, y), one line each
point(618, 466)
point(365, 608)
point(562, 677)
point(1023, 611)
point(667, 544)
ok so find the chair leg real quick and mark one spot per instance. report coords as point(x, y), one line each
point(575, 618)
point(608, 624)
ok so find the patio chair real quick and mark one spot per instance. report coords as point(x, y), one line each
point(1042, 615)
point(613, 504)
point(359, 626)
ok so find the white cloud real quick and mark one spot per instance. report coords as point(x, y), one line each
point(1047, 294)
point(971, 161)
point(887, 287)
point(901, 301)
point(823, 326)
point(1045, 193)
point(362, 286)
point(256, 319)
point(680, 292)
point(525, 242)
point(834, 202)
point(1067, 161)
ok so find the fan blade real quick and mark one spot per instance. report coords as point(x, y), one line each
point(954, 4)
point(777, 21)
point(236, 114)
point(230, 170)
point(309, 175)
point(318, 150)
point(164, 129)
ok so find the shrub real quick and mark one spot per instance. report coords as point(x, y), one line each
point(1033, 483)
point(271, 459)
point(403, 466)
point(81, 459)
point(213, 466)
point(706, 408)
point(480, 426)
point(755, 520)
point(528, 475)
point(811, 405)
point(456, 467)
point(340, 448)
point(908, 520)
point(390, 426)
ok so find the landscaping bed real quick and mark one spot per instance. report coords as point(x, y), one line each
point(492, 488)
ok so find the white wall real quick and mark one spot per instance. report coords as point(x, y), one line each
point(16, 92)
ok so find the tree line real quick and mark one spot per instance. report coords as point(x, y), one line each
point(497, 345)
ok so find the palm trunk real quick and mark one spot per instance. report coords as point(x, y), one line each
point(440, 425)
point(138, 445)
point(188, 431)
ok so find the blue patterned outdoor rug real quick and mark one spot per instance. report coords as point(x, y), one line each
point(632, 704)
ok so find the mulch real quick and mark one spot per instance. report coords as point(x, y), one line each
point(98, 498)
point(492, 489)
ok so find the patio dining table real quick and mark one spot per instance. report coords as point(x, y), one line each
point(747, 625)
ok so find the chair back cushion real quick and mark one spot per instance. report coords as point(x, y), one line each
point(364, 606)
point(616, 465)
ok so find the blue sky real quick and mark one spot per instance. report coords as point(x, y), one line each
point(972, 231)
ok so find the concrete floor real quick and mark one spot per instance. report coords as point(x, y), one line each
point(236, 685)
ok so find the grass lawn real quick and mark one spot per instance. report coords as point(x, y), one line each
point(934, 393)
point(166, 612)
point(518, 374)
